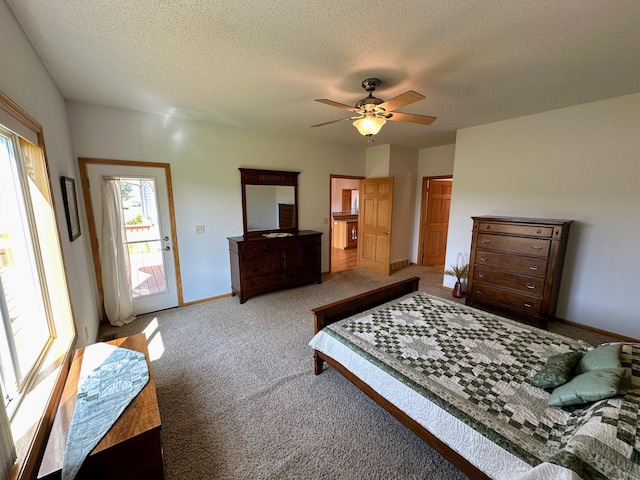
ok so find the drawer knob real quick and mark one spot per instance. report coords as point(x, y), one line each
point(536, 247)
point(538, 231)
point(486, 240)
point(528, 304)
point(531, 285)
point(484, 258)
point(488, 227)
point(482, 275)
point(533, 267)
point(480, 290)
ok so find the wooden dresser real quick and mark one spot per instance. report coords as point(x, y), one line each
point(515, 265)
point(260, 264)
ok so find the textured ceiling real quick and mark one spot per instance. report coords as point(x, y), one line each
point(260, 64)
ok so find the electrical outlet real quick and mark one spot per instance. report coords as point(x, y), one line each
point(199, 229)
point(326, 220)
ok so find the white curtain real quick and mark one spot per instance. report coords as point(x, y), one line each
point(114, 257)
point(7, 450)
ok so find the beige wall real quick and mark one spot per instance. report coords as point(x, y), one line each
point(432, 162)
point(403, 167)
point(401, 163)
point(580, 163)
point(204, 161)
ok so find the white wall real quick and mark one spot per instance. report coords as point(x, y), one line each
point(24, 79)
point(432, 162)
point(580, 163)
point(204, 161)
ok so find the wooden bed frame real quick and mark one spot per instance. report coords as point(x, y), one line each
point(333, 312)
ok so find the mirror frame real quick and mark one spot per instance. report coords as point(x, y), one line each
point(276, 178)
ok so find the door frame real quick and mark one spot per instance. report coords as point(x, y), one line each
point(423, 212)
point(83, 162)
point(331, 177)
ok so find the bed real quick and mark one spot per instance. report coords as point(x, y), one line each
point(460, 379)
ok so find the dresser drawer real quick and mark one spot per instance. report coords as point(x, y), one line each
point(261, 284)
point(310, 240)
point(254, 270)
point(484, 293)
point(311, 250)
point(512, 263)
point(253, 258)
point(514, 229)
point(529, 246)
point(252, 246)
point(528, 285)
point(300, 275)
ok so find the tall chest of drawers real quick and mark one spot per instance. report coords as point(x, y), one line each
point(515, 265)
point(262, 264)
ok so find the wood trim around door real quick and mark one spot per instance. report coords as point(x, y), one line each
point(423, 213)
point(84, 178)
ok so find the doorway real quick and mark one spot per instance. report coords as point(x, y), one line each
point(344, 200)
point(149, 228)
point(434, 220)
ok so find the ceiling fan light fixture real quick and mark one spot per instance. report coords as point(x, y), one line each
point(369, 124)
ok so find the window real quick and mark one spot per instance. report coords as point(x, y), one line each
point(37, 332)
point(27, 328)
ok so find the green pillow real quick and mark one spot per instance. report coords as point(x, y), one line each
point(557, 370)
point(588, 387)
point(604, 356)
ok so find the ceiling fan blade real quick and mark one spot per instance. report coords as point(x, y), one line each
point(337, 104)
point(332, 121)
point(401, 100)
point(412, 118)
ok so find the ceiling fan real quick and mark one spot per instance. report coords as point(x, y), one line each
point(372, 113)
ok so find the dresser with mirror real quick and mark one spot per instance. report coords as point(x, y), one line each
point(272, 253)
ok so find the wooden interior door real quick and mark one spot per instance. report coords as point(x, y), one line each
point(374, 224)
point(436, 201)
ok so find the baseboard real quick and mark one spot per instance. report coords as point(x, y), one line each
point(398, 265)
point(202, 300)
point(622, 338)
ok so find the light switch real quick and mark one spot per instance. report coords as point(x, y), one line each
point(199, 229)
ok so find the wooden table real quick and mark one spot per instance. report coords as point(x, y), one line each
point(130, 450)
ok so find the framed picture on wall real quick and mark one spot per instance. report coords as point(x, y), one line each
point(70, 206)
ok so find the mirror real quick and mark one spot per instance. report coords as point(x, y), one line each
point(269, 201)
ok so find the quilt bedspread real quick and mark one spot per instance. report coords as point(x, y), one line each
point(478, 367)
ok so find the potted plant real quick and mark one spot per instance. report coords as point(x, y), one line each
point(460, 270)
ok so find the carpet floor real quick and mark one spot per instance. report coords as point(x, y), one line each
point(238, 398)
